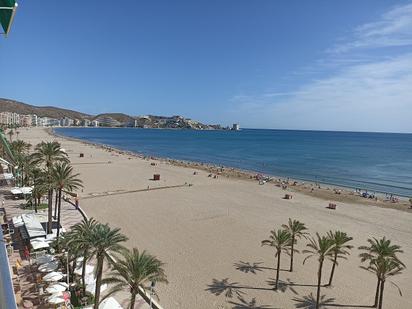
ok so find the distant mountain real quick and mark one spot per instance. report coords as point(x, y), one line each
point(119, 117)
point(41, 111)
point(107, 119)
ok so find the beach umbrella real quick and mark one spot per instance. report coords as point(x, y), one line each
point(53, 276)
point(57, 288)
point(48, 267)
point(45, 259)
point(56, 298)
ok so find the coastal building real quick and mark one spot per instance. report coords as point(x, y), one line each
point(95, 123)
point(34, 120)
point(86, 123)
point(25, 120)
point(9, 119)
point(48, 122)
point(235, 127)
point(107, 121)
point(66, 122)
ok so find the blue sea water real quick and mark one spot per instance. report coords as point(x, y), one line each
point(380, 162)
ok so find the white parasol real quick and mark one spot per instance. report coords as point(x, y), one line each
point(57, 288)
point(56, 298)
point(53, 276)
point(47, 258)
point(48, 267)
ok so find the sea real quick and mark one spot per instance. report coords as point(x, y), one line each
point(377, 162)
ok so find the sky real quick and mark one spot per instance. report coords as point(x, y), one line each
point(312, 65)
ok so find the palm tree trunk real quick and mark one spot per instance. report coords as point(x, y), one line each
point(50, 212)
point(98, 280)
point(291, 254)
point(381, 295)
point(132, 300)
point(85, 254)
point(375, 304)
point(58, 216)
point(277, 272)
point(55, 205)
point(35, 204)
point(319, 283)
point(333, 269)
point(74, 265)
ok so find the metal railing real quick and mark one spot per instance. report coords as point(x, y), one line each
point(7, 296)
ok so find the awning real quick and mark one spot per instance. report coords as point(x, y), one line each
point(39, 244)
point(7, 12)
point(21, 190)
point(33, 226)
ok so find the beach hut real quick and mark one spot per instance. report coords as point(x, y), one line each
point(156, 177)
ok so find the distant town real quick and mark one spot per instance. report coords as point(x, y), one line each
point(12, 120)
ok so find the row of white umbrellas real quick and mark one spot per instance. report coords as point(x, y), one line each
point(48, 264)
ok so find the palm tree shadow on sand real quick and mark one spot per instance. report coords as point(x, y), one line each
point(244, 304)
point(309, 302)
point(253, 268)
point(283, 286)
point(225, 287)
point(230, 289)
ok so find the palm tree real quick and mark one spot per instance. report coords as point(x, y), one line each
point(20, 150)
point(388, 267)
point(281, 240)
point(20, 147)
point(385, 267)
point(340, 249)
point(11, 133)
point(37, 193)
point(103, 241)
point(64, 179)
point(135, 271)
point(322, 247)
point(48, 154)
point(81, 231)
point(378, 249)
point(296, 230)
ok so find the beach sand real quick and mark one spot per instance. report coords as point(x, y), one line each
point(210, 232)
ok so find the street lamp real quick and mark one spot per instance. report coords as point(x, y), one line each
point(152, 285)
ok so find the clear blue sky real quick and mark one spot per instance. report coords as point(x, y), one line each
point(338, 65)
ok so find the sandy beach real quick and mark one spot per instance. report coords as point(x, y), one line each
point(208, 231)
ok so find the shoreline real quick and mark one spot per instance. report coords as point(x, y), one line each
point(328, 191)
